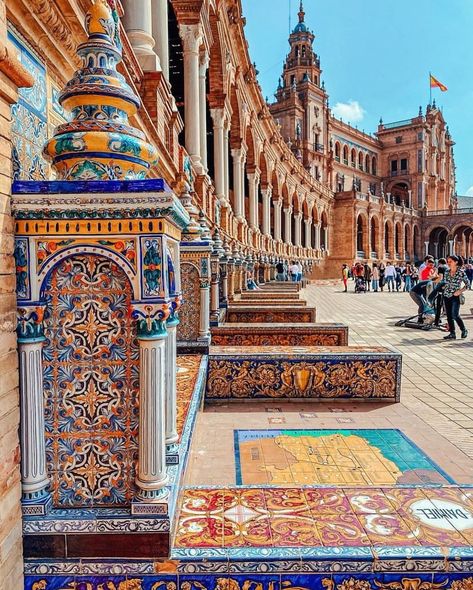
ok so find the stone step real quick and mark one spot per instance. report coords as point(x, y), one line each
point(279, 335)
point(272, 314)
point(303, 373)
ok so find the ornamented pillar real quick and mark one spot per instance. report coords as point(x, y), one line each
point(277, 220)
point(218, 119)
point(36, 497)
point(266, 193)
point(204, 328)
point(253, 184)
point(238, 183)
point(160, 33)
point(426, 248)
point(451, 247)
point(308, 232)
point(203, 66)
point(217, 253)
point(297, 229)
point(172, 436)
point(152, 474)
point(137, 21)
point(287, 225)
point(191, 36)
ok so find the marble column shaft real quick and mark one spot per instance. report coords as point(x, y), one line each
point(253, 183)
point(160, 33)
point(171, 435)
point(287, 225)
point(203, 66)
point(219, 152)
point(137, 20)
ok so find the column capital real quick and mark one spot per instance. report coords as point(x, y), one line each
point(204, 61)
point(151, 319)
point(191, 36)
point(218, 117)
point(287, 209)
point(308, 221)
point(30, 327)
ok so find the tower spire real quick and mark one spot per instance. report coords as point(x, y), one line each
point(301, 13)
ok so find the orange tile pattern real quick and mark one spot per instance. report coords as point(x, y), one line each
point(187, 372)
point(325, 517)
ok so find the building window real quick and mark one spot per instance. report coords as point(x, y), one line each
point(399, 139)
point(403, 164)
point(393, 167)
point(420, 159)
point(420, 136)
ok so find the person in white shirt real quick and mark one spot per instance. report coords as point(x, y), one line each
point(299, 272)
point(389, 276)
point(293, 270)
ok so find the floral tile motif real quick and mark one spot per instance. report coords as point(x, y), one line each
point(324, 519)
point(189, 313)
point(187, 374)
point(91, 383)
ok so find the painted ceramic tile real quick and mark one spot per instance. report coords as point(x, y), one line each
point(91, 384)
point(341, 457)
point(187, 375)
point(189, 313)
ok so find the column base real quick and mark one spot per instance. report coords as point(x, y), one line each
point(151, 502)
point(37, 504)
point(172, 454)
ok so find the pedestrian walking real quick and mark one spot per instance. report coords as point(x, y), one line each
point(345, 277)
point(456, 282)
point(375, 278)
point(390, 275)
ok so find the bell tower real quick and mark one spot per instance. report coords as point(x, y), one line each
point(301, 101)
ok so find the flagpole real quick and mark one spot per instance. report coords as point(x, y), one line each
point(430, 87)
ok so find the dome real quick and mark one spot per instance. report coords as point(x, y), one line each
point(301, 28)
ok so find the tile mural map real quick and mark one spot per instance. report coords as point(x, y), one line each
point(332, 457)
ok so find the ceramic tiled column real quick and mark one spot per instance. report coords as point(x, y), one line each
point(152, 475)
point(35, 480)
point(172, 436)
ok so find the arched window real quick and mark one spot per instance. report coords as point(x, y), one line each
point(373, 236)
point(373, 165)
point(359, 234)
point(360, 161)
point(303, 51)
point(353, 157)
point(337, 151)
point(367, 164)
point(345, 155)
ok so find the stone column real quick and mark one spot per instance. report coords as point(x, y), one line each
point(297, 230)
point(203, 66)
point(436, 249)
point(426, 248)
point(253, 183)
point(224, 276)
point(219, 152)
point(214, 289)
point(308, 233)
point(204, 327)
point(191, 36)
point(33, 443)
point(238, 183)
point(277, 220)
point(226, 144)
point(267, 211)
point(152, 475)
point(451, 247)
point(161, 34)
point(172, 436)
point(287, 225)
point(137, 22)
point(317, 235)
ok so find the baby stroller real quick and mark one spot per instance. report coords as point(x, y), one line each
point(360, 285)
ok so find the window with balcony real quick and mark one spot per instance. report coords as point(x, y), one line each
point(403, 164)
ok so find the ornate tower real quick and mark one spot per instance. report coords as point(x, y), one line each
point(301, 100)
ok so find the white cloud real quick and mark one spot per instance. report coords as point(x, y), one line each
point(469, 192)
point(350, 111)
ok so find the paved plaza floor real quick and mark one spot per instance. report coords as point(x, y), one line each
point(435, 414)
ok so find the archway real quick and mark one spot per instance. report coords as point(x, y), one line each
point(400, 193)
point(397, 240)
point(91, 383)
point(374, 236)
point(438, 246)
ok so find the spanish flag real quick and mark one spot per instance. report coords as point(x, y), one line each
point(434, 83)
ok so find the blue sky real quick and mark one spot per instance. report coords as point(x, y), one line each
point(376, 56)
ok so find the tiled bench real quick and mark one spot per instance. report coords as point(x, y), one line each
point(275, 314)
point(280, 335)
point(271, 301)
point(303, 373)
